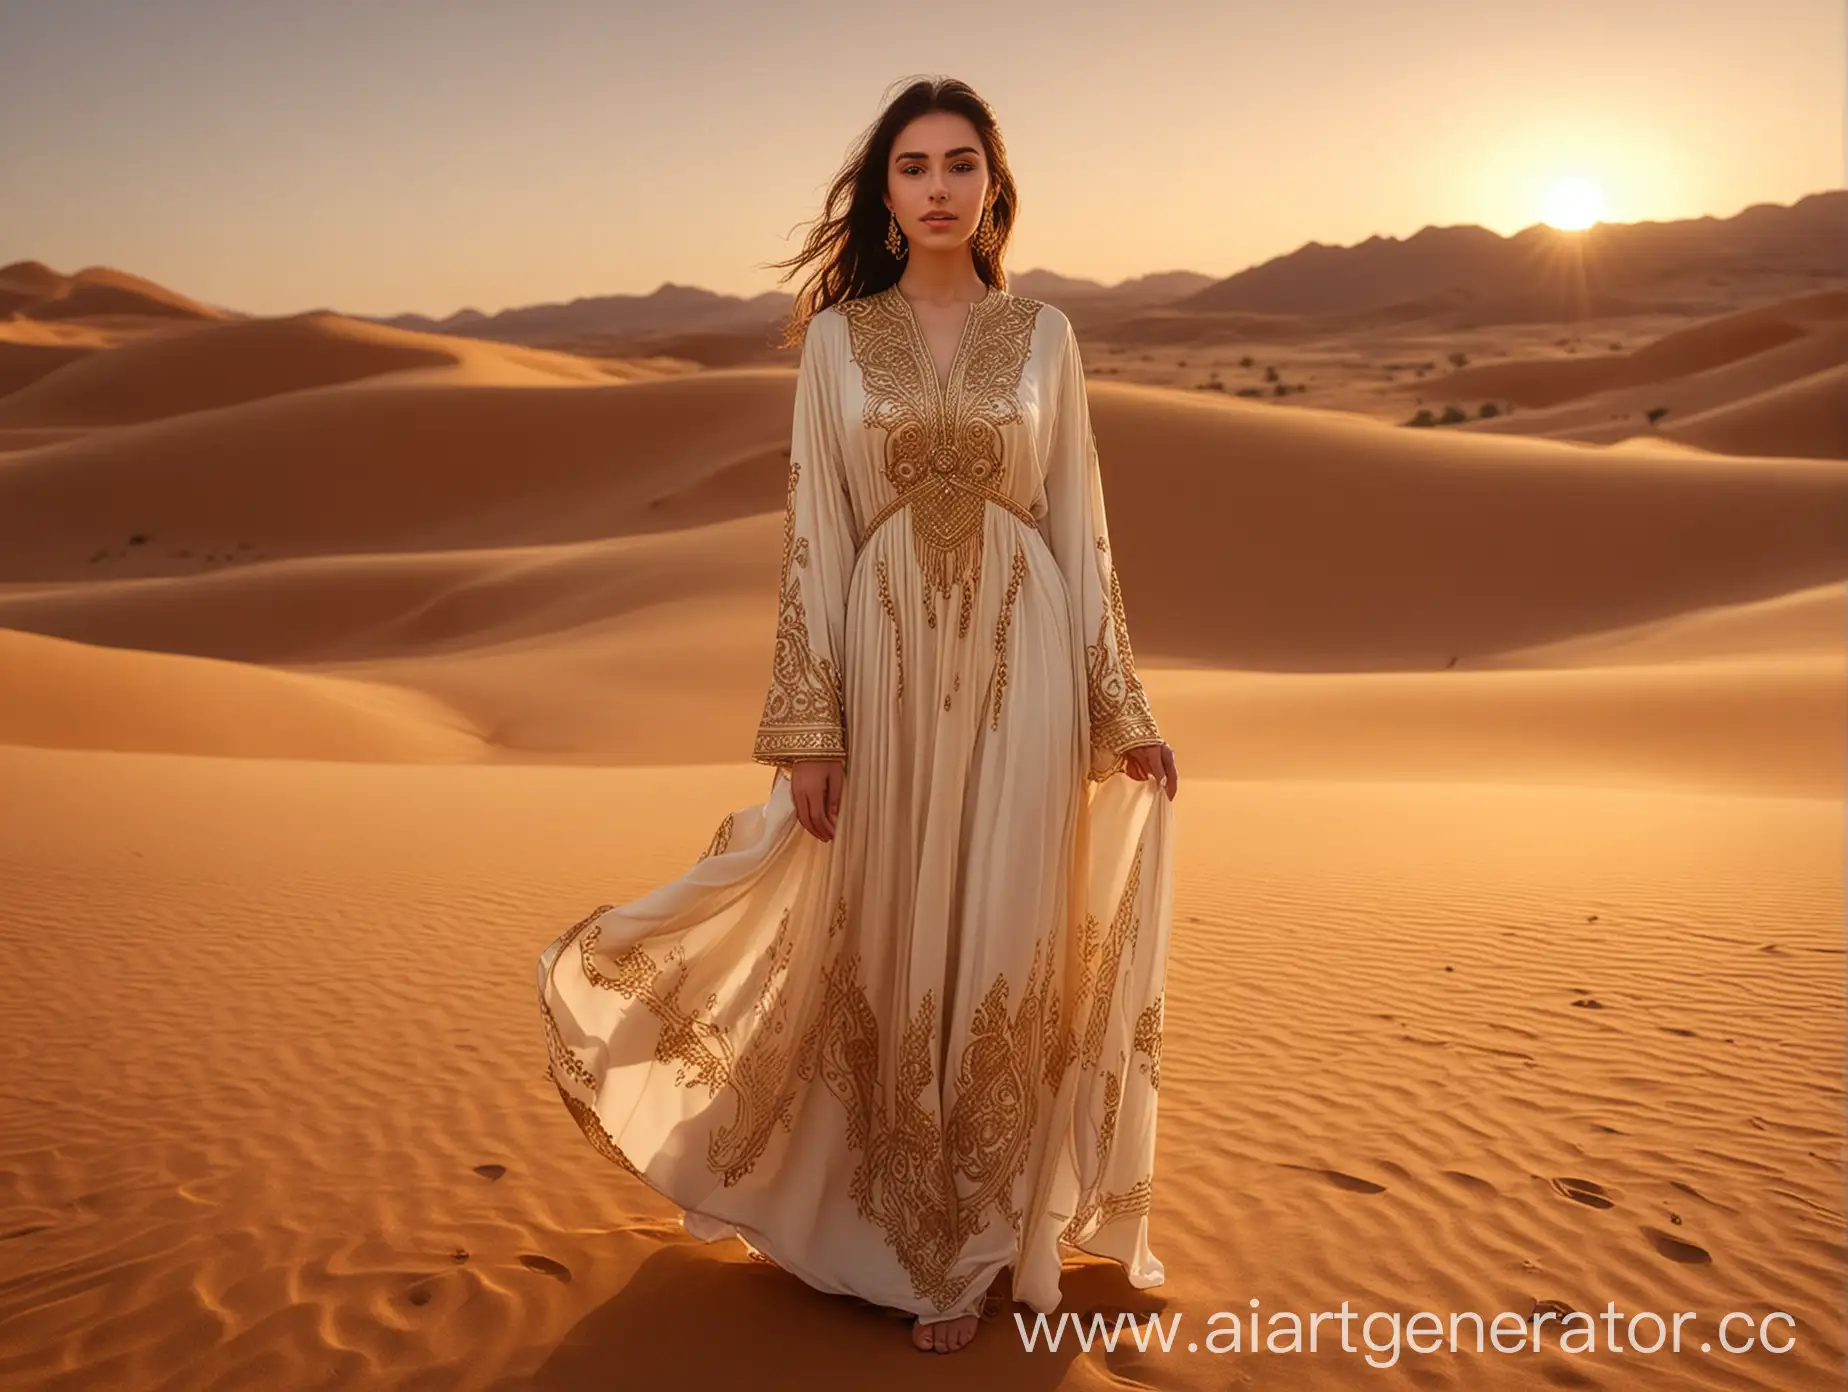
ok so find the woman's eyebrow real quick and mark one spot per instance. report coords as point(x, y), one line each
point(947, 154)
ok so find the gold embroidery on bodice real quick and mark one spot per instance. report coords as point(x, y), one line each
point(944, 455)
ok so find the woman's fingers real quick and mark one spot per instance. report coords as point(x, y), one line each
point(1153, 761)
point(819, 822)
point(816, 791)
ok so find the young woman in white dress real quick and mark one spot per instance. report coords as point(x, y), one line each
point(899, 1028)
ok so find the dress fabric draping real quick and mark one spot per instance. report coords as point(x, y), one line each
point(898, 1061)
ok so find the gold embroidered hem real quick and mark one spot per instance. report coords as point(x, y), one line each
point(721, 839)
point(768, 1061)
point(898, 1061)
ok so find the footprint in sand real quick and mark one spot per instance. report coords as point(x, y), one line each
point(545, 1266)
point(1470, 1181)
point(418, 1295)
point(1584, 1191)
point(1589, 1003)
point(490, 1172)
point(1352, 1183)
point(1674, 1248)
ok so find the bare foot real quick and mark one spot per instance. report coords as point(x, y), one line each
point(945, 1336)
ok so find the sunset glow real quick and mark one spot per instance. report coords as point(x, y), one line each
point(1574, 205)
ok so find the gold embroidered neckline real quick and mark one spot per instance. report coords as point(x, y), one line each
point(944, 454)
point(946, 388)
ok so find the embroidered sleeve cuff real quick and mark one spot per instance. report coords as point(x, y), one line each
point(1111, 741)
point(790, 743)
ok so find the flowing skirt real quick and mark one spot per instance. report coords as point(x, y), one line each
point(899, 1061)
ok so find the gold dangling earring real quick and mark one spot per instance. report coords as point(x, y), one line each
point(894, 240)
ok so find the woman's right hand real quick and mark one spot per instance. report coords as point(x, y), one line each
point(816, 785)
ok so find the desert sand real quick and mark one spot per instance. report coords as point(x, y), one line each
point(342, 667)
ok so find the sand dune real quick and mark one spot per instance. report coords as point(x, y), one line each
point(1767, 723)
point(249, 360)
point(383, 540)
point(390, 466)
point(63, 695)
point(1732, 379)
point(1804, 418)
point(211, 365)
point(1469, 545)
point(1768, 374)
point(1595, 381)
point(23, 363)
point(408, 605)
point(1803, 621)
point(35, 291)
point(12, 441)
point(342, 666)
point(1336, 544)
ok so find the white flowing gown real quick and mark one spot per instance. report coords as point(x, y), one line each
point(899, 1061)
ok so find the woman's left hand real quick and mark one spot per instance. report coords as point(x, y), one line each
point(1153, 761)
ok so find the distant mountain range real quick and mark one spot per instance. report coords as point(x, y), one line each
point(1449, 277)
point(1469, 275)
point(1438, 278)
point(685, 321)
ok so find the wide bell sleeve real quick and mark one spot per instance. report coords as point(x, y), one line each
point(1079, 538)
point(803, 710)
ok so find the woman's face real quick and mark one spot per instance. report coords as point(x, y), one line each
point(937, 182)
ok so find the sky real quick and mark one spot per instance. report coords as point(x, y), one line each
point(390, 156)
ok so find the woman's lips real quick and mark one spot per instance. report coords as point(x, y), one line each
point(940, 221)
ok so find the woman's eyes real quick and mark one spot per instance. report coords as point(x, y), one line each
point(960, 164)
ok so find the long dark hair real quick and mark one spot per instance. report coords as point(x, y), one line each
point(848, 239)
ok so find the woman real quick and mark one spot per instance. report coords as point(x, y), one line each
point(899, 1029)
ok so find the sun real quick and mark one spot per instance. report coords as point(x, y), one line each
point(1574, 205)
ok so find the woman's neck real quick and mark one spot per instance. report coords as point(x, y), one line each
point(943, 279)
